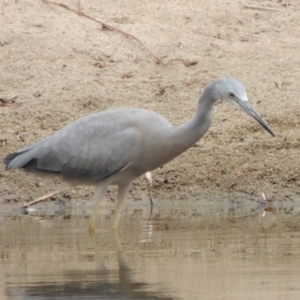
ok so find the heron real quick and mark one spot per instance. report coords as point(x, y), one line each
point(116, 146)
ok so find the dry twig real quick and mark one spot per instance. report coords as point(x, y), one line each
point(106, 26)
point(43, 198)
point(262, 8)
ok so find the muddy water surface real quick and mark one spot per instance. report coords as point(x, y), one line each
point(177, 254)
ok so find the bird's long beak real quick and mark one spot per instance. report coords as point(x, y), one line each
point(247, 108)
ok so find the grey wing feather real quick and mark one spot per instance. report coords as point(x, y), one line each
point(91, 148)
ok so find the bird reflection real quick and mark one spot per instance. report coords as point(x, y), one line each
point(100, 283)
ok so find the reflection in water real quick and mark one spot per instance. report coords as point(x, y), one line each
point(101, 283)
point(178, 254)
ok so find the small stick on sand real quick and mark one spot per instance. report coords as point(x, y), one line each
point(43, 198)
point(262, 8)
point(106, 26)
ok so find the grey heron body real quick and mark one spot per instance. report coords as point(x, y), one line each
point(114, 147)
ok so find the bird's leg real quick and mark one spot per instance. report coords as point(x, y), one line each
point(99, 195)
point(122, 192)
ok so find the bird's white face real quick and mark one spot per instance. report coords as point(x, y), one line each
point(244, 97)
point(236, 98)
point(235, 93)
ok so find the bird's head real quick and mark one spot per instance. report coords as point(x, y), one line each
point(234, 92)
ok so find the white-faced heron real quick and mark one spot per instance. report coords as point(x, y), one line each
point(114, 147)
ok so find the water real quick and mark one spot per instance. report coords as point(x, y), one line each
point(179, 253)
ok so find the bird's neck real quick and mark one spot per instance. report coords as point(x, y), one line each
point(191, 132)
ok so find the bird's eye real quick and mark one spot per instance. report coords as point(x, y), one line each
point(231, 95)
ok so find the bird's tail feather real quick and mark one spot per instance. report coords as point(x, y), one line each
point(28, 159)
point(18, 160)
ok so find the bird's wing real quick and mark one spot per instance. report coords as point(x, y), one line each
point(90, 148)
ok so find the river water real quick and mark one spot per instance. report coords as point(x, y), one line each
point(178, 252)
